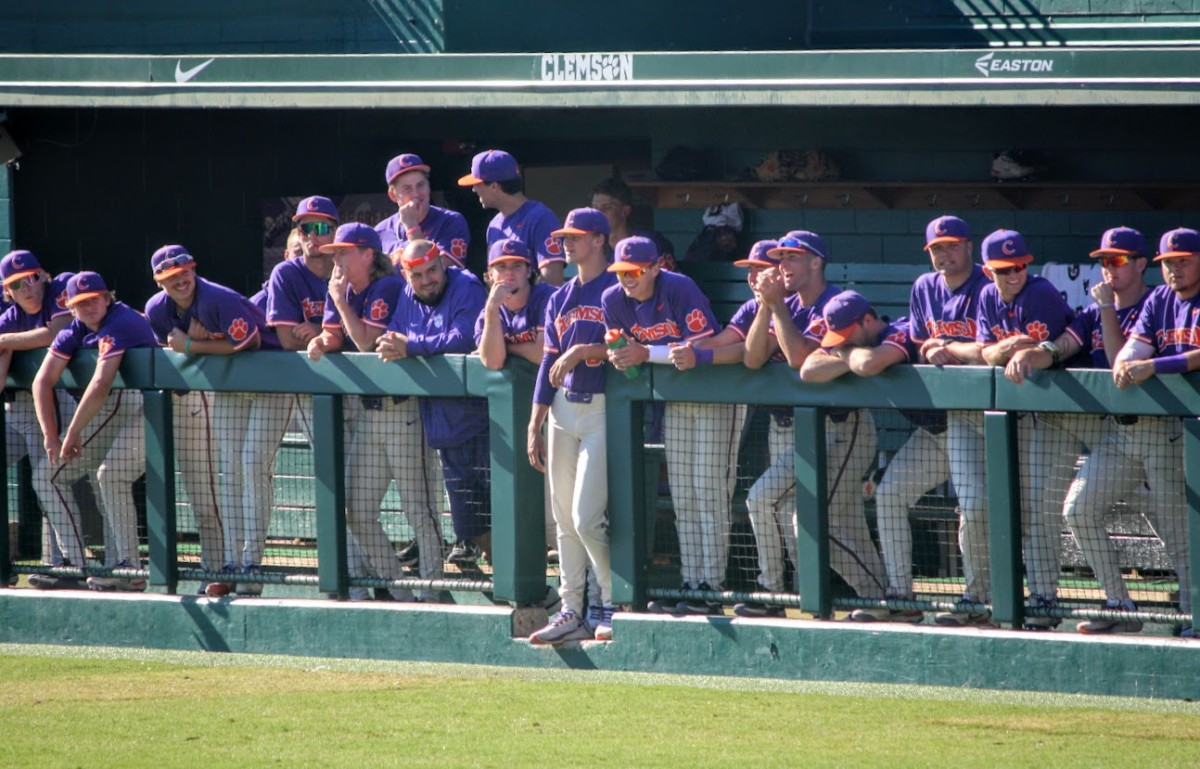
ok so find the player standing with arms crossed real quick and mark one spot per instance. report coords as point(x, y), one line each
point(105, 435)
point(496, 179)
point(1165, 340)
point(407, 179)
point(569, 402)
point(667, 320)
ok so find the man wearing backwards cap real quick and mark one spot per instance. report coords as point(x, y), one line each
point(667, 320)
point(407, 178)
point(858, 341)
point(1098, 333)
point(1019, 311)
point(436, 315)
point(387, 440)
point(496, 179)
point(1165, 340)
point(105, 434)
point(792, 297)
point(194, 316)
point(37, 313)
point(569, 407)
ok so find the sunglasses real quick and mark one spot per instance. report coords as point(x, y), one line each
point(173, 262)
point(316, 228)
point(29, 281)
point(1112, 262)
point(1009, 270)
point(634, 274)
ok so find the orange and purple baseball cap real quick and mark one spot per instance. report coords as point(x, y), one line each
point(402, 164)
point(843, 314)
point(17, 265)
point(634, 253)
point(1005, 248)
point(83, 286)
point(760, 255)
point(169, 261)
point(946, 229)
point(354, 235)
point(316, 206)
point(1178, 243)
point(800, 242)
point(509, 250)
point(1121, 241)
point(584, 221)
point(491, 166)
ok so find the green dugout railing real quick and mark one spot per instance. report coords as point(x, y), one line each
point(517, 490)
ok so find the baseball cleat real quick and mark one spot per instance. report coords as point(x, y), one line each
point(963, 617)
point(564, 626)
point(121, 584)
point(1042, 623)
point(410, 556)
point(1107, 626)
point(55, 582)
point(884, 614)
point(755, 609)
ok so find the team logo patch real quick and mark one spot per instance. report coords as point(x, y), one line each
point(436, 321)
point(458, 248)
point(81, 282)
point(238, 329)
point(61, 300)
point(379, 310)
point(940, 227)
point(1038, 330)
point(696, 321)
point(106, 344)
point(899, 337)
point(1173, 242)
point(313, 308)
point(18, 262)
point(1008, 247)
point(553, 246)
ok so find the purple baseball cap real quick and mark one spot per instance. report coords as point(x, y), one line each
point(17, 265)
point(316, 206)
point(1005, 248)
point(843, 314)
point(402, 164)
point(169, 261)
point(491, 166)
point(509, 250)
point(800, 242)
point(83, 286)
point(1121, 241)
point(946, 229)
point(354, 235)
point(1177, 243)
point(634, 253)
point(760, 255)
point(584, 221)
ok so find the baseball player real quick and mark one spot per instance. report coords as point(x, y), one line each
point(1165, 340)
point(407, 179)
point(569, 408)
point(206, 318)
point(1096, 335)
point(105, 434)
point(614, 199)
point(665, 319)
point(36, 313)
point(436, 315)
point(1016, 312)
point(858, 341)
point(196, 451)
point(496, 179)
point(792, 297)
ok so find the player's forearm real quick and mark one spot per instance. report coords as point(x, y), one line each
point(530, 351)
point(537, 417)
point(870, 361)
point(968, 353)
point(995, 354)
point(287, 340)
point(822, 366)
point(492, 349)
point(1111, 333)
point(27, 340)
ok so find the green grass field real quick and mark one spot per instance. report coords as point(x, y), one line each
point(95, 708)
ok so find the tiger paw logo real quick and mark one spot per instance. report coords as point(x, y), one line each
point(458, 248)
point(106, 344)
point(898, 337)
point(1038, 330)
point(61, 300)
point(238, 330)
point(379, 310)
point(553, 246)
point(696, 321)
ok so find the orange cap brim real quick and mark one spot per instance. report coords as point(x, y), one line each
point(1174, 255)
point(168, 274)
point(946, 239)
point(11, 279)
point(469, 181)
point(1016, 261)
point(839, 337)
point(79, 298)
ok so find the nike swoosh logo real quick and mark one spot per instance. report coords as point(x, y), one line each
point(196, 413)
point(183, 76)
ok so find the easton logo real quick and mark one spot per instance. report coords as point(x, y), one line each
point(988, 64)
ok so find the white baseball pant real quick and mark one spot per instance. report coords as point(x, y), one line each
point(198, 460)
point(850, 448)
point(23, 438)
point(968, 472)
point(920, 464)
point(771, 504)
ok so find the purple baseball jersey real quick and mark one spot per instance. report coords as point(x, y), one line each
point(743, 319)
point(1088, 331)
point(54, 304)
point(531, 224)
point(810, 320)
point(441, 225)
point(295, 294)
point(375, 306)
point(676, 312)
point(524, 324)
point(447, 327)
point(896, 335)
point(936, 312)
point(259, 298)
point(574, 315)
point(223, 312)
point(123, 328)
point(1168, 322)
point(1039, 311)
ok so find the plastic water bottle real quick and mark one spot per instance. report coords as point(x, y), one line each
point(615, 340)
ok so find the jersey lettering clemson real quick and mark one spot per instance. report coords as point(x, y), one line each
point(656, 332)
point(1183, 336)
point(313, 309)
point(957, 328)
point(576, 314)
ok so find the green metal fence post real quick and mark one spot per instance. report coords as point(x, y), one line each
point(329, 466)
point(161, 527)
point(627, 510)
point(812, 512)
point(1004, 517)
point(1191, 475)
